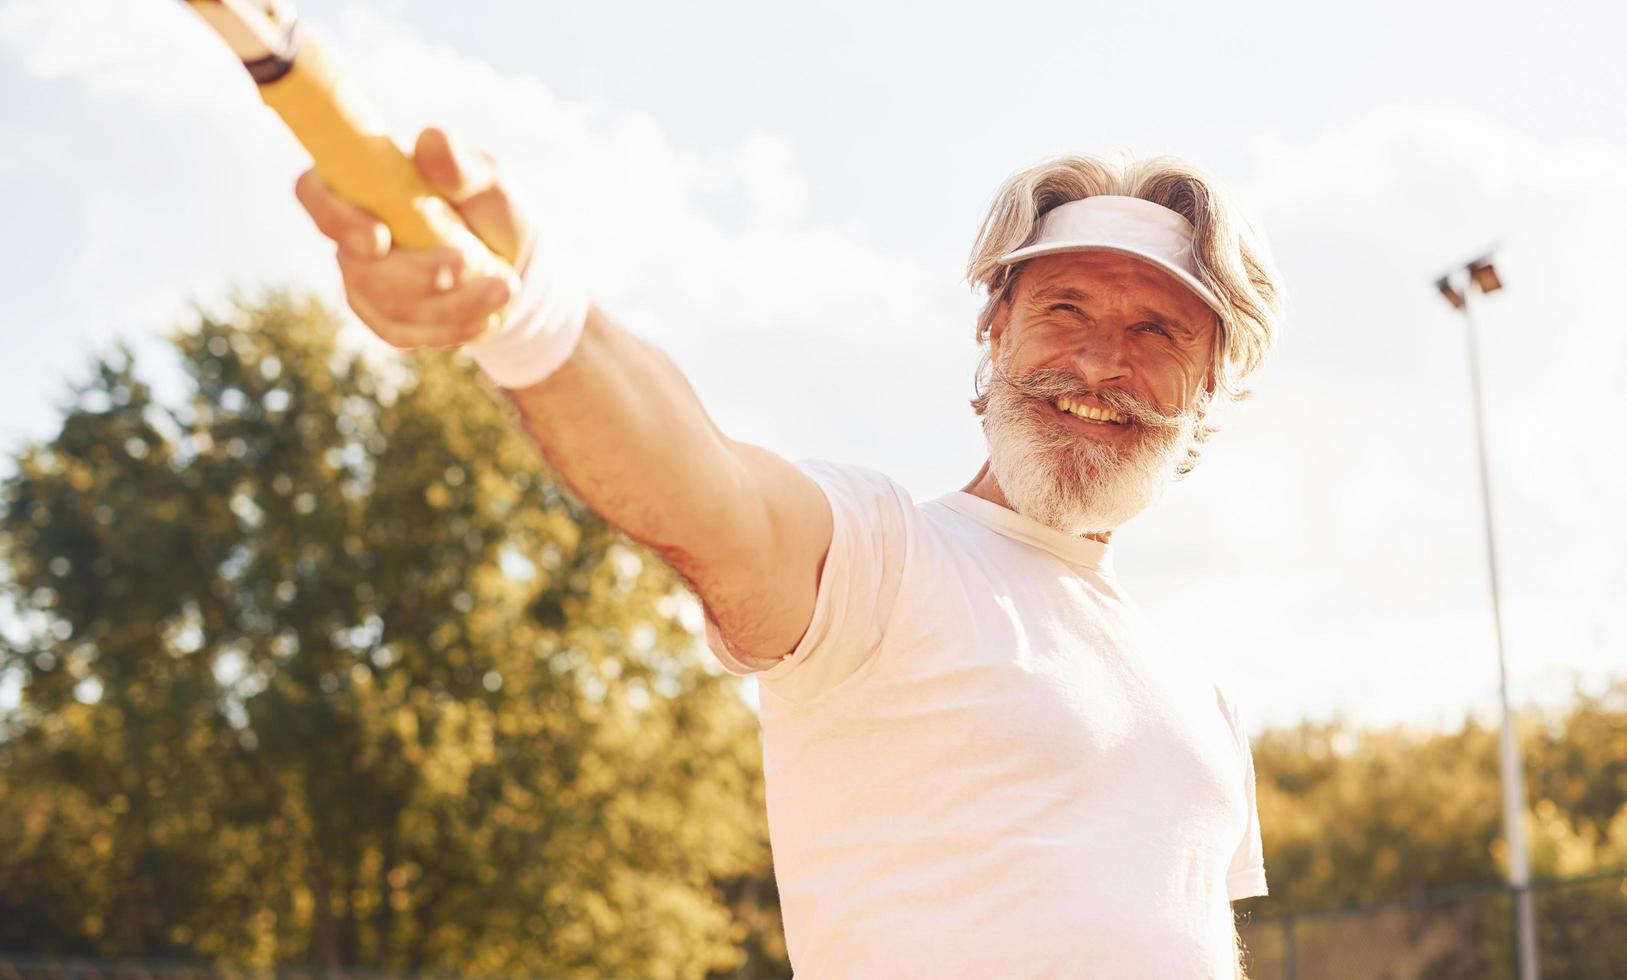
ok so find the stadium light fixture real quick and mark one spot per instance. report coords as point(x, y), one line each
point(1458, 286)
point(1484, 275)
point(1444, 284)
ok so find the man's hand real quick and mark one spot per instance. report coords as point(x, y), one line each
point(427, 298)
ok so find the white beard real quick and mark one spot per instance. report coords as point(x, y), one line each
point(1072, 483)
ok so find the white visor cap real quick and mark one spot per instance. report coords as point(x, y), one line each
point(1128, 225)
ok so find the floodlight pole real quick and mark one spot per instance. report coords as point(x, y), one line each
point(1519, 865)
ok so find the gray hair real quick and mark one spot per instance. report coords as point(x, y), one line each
point(1232, 257)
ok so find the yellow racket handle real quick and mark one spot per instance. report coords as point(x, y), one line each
point(353, 153)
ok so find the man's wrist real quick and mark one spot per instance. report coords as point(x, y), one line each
point(542, 327)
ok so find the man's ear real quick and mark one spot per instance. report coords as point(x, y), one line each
point(1211, 381)
point(1001, 319)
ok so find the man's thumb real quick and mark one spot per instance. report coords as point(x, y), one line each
point(455, 174)
point(469, 180)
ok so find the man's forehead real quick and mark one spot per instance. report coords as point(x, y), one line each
point(1149, 288)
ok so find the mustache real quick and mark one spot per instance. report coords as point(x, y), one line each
point(1049, 384)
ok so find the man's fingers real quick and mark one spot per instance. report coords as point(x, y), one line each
point(470, 303)
point(407, 273)
point(355, 231)
point(413, 336)
point(445, 320)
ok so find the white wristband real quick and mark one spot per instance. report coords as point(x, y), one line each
point(543, 325)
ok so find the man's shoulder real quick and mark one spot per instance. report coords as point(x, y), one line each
point(861, 497)
point(852, 477)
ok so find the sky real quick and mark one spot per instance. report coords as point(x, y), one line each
point(783, 199)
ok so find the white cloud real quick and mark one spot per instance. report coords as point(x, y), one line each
point(148, 51)
point(794, 333)
point(706, 251)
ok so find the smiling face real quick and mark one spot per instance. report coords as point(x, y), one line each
point(1102, 372)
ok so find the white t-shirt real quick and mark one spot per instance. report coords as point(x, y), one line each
point(979, 764)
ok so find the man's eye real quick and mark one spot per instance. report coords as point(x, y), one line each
point(1067, 307)
point(1154, 328)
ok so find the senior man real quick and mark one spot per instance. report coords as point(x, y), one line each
point(980, 760)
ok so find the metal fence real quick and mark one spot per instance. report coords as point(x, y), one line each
point(31, 967)
point(36, 967)
point(1460, 934)
point(84, 968)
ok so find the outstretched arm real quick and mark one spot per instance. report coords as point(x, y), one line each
point(617, 419)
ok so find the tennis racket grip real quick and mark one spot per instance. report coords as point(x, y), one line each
point(357, 158)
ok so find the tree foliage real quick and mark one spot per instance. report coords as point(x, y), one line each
point(323, 666)
point(1355, 818)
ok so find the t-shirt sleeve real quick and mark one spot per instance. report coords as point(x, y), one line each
point(1245, 878)
point(871, 522)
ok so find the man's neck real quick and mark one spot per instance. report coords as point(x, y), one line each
point(986, 486)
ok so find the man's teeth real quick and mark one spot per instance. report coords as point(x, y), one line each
point(1089, 411)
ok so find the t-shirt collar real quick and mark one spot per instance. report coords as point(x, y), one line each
point(1084, 552)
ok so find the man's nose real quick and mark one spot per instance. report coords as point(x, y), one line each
point(1100, 358)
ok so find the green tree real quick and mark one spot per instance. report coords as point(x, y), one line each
point(323, 666)
point(1352, 817)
